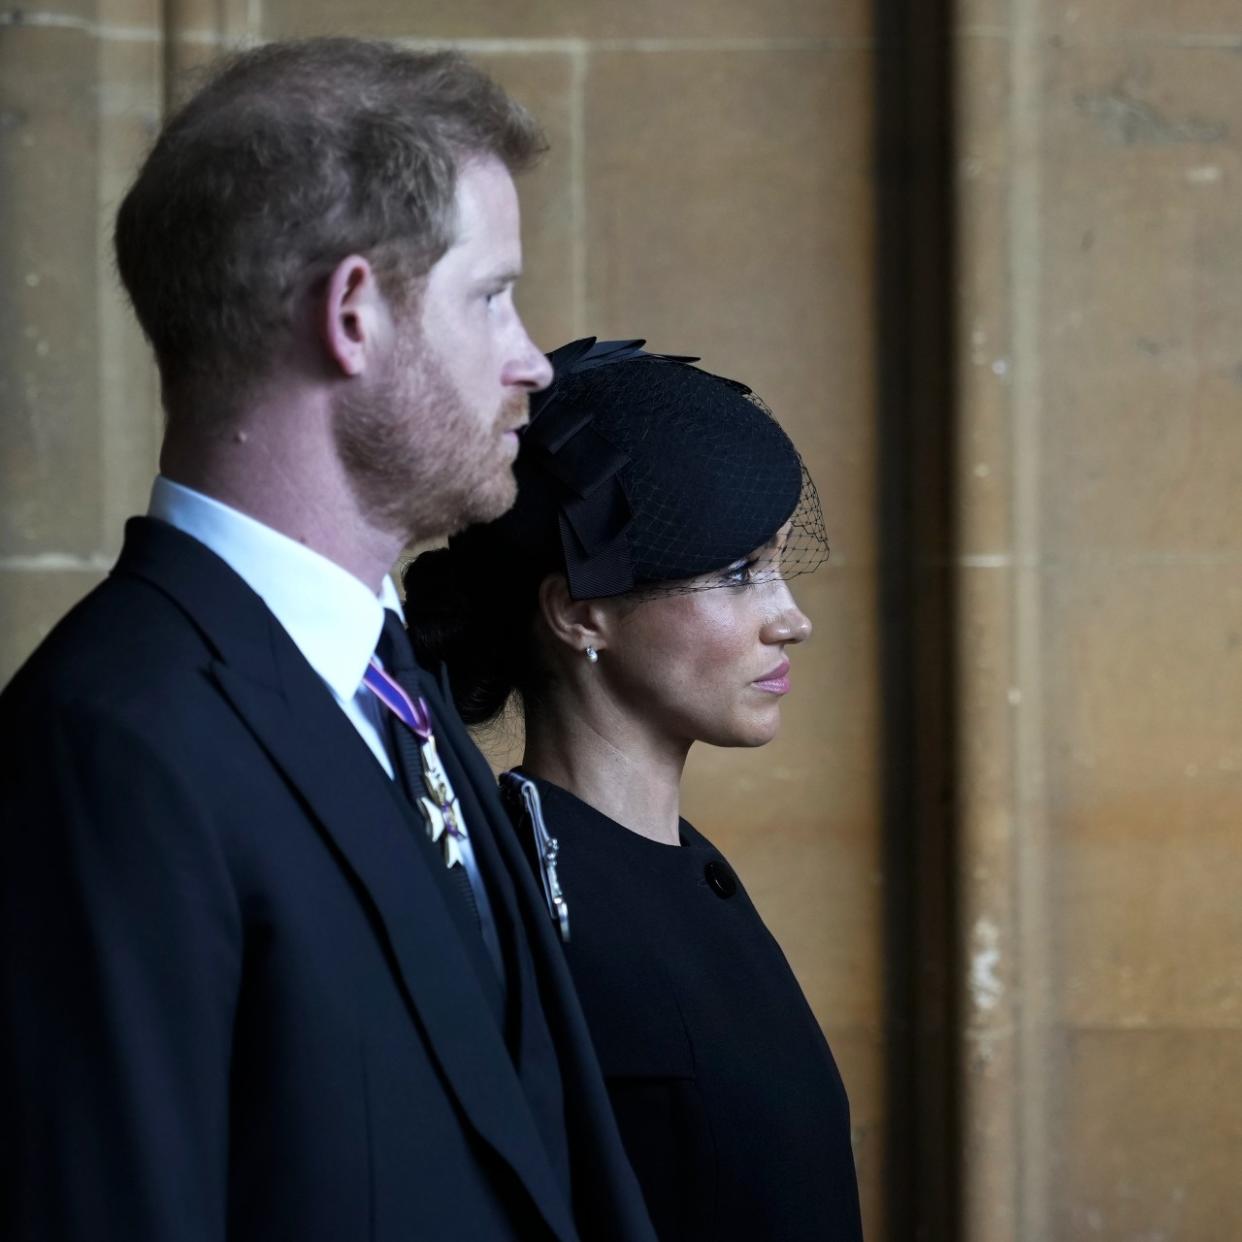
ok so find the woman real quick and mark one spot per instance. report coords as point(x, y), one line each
point(636, 600)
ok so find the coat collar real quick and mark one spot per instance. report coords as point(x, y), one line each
point(333, 617)
point(293, 717)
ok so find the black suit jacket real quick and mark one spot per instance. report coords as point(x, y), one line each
point(235, 1001)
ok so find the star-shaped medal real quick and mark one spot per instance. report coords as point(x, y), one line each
point(441, 809)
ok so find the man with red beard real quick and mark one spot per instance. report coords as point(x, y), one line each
point(272, 966)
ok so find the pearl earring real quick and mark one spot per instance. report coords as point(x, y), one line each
point(592, 655)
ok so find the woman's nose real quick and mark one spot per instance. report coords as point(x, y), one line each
point(789, 624)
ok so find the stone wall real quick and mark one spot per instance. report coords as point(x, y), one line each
point(1000, 836)
point(1100, 580)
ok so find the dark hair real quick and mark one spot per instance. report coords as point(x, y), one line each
point(472, 607)
point(292, 157)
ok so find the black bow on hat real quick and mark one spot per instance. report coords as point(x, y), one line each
point(594, 512)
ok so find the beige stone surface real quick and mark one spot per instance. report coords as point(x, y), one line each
point(47, 12)
point(993, 987)
point(989, 697)
point(854, 1052)
point(1145, 678)
point(1145, 685)
point(127, 14)
point(30, 604)
point(113, 16)
point(820, 898)
point(746, 240)
point(1144, 929)
point(1150, 1136)
point(130, 97)
point(1143, 302)
point(713, 20)
point(1100, 810)
point(1138, 21)
point(549, 295)
point(985, 362)
point(983, 18)
point(49, 435)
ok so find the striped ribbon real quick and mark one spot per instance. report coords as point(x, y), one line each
point(412, 712)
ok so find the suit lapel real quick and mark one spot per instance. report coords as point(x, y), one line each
point(294, 718)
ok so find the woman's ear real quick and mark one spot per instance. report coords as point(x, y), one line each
point(578, 624)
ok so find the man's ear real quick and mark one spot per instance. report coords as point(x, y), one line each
point(356, 323)
point(578, 624)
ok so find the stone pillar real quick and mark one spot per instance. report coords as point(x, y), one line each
point(1100, 668)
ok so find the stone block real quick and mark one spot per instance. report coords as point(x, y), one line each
point(130, 15)
point(983, 470)
point(1146, 930)
point(113, 16)
point(130, 103)
point(1144, 676)
point(987, 697)
point(53, 14)
point(987, 18)
point(1117, 21)
point(1148, 1137)
point(729, 214)
point(593, 20)
point(857, 1053)
point(1141, 302)
point(49, 435)
point(549, 294)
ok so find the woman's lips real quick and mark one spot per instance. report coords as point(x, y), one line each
point(775, 682)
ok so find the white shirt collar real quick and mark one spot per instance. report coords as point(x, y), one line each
point(332, 617)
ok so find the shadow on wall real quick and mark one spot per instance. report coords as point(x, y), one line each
point(915, 350)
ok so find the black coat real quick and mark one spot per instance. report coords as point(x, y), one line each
point(729, 1102)
point(235, 1002)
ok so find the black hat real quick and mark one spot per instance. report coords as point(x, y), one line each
point(641, 471)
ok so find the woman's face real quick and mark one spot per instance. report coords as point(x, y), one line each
point(708, 665)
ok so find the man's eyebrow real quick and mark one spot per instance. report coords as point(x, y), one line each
point(505, 276)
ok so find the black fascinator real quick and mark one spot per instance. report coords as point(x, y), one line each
point(641, 472)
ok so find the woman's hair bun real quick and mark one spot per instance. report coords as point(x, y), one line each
point(451, 610)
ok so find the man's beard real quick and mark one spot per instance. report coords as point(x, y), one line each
point(420, 462)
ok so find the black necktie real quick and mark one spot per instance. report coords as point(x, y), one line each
point(397, 657)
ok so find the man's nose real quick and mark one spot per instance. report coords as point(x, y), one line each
point(530, 369)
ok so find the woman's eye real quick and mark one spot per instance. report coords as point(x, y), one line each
point(740, 574)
